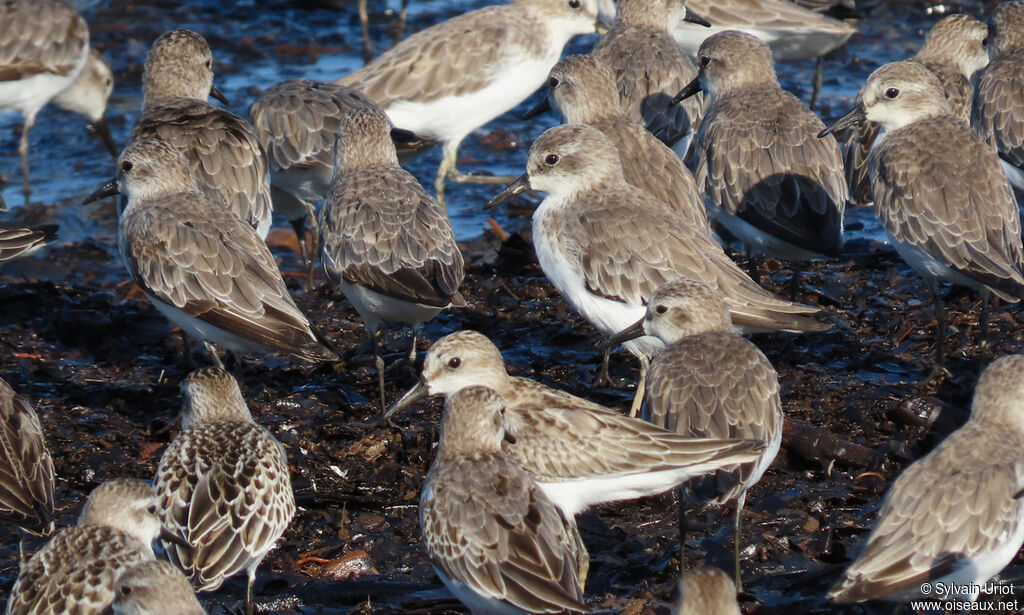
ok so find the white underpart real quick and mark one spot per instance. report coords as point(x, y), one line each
point(929, 267)
point(787, 41)
point(201, 330)
point(375, 308)
point(1014, 174)
point(29, 95)
point(304, 184)
point(607, 315)
point(574, 497)
point(478, 605)
point(517, 76)
point(758, 241)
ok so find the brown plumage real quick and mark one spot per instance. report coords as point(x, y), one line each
point(40, 36)
point(201, 265)
point(17, 241)
point(26, 468)
point(223, 151)
point(223, 485)
point(650, 67)
point(956, 510)
point(494, 537)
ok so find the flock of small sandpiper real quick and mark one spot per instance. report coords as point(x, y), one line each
point(624, 233)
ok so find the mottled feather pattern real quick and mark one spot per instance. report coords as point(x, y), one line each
point(208, 265)
point(998, 116)
point(928, 525)
point(224, 488)
point(757, 182)
point(26, 468)
point(647, 94)
point(689, 393)
point(427, 66)
point(487, 523)
point(568, 441)
point(40, 36)
point(938, 204)
point(959, 93)
point(296, 121)
point(223, 151)
point(53, 583)
point(662, 247)
point(655, 169)
point(17, 241)
point(383, 231)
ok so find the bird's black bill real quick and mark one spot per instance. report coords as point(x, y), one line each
point(402, 136)
point(168, 536)
point(108, 189)
point(691, 88)
point(855, 117)
point(102, 130)
point(522, 184)
point(541, 107)
point(411, 396)
point(219, 96)
point(697, 19)
point(631, 332)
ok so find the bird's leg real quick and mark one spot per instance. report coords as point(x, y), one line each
point(364, 21)
point(250, 603)
point(378, 358)
point(819, 79)
point(983, 322)
point(684, 526)
point(638, 399)
point(939, 371)
point(299, 224)
point(447, 164)
point(603, 379)
point(213, 355)
point(26, 186)
point(402, 16)
point(190, 362)
point(737, 538)
point(794, 283)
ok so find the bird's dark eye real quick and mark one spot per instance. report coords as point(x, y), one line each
point(455, 362)
point(551, 160)
point(553, 83)
point(151, 509)
point(209, 64)
point(574, 4)
point(892, 93)
point(984, 42)
point(705, 60)
point(125, 590)
point(126, 166)
point(661, 309)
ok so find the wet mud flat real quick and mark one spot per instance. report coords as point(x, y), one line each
point(102, 368)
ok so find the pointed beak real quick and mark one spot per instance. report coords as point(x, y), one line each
point(520, 185)
point(168, 536)
point(108, 189)
point(855, 117)
point(216, 93)
point(691, 88)
point(541, 107)
point(102, 130)
point(406, 137)
point(602, 25)
point(411, 396)
point(631, 332)
point(697, 19)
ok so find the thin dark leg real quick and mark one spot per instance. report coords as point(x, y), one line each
point(818, 81)
point(684, 527)
point(738, 538)
point(402, 15)
point(379, 364)
point(983, 321)
point(250, 603)
point(939, 371)
point(794, 283)
point(364, 21)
